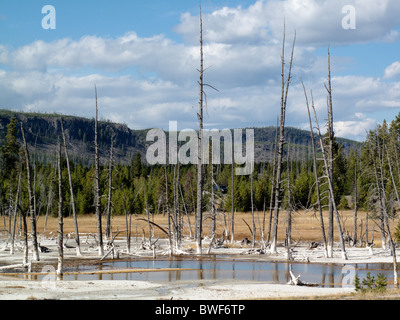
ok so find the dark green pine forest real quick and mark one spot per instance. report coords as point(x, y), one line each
point(364, 173)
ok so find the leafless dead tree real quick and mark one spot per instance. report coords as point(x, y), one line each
point(284, 95)
point(97, 182)
point(30, 197)
point(71, 190)
point(60, 215)
point(321, 217)
point(330, 185)
point(199, 214)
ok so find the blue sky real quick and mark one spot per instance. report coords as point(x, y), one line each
point(143, 57)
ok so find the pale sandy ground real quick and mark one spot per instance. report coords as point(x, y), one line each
point(21, 289)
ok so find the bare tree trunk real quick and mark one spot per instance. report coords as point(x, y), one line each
point(271, 201)
point(168, 213)
point(49, 201)
point(15, 213)
point(213, 213)
point(34, 182)
point(71, 189)
point(97, 182)
point(199, 217)
point(381, 193)
point(321, 217)
point(30, 197)
point(110, 167)
point(391, 173)
point(355, 202)
point(253, 239)
point(60, 216)
point(25, 229)
point(385, 213)
point(393, 249)
point(177, 211)
point(147, 211)
point(186, 212)
point(289, 217)
point(330, 159)
point(278, 191)
point(127, 223)
point(331, 192)
point(233, 200)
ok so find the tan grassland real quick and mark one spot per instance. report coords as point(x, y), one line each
point(306, 226)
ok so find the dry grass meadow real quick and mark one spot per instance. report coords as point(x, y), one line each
point(305, 225)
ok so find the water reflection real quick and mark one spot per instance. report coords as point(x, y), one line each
point(325, 275)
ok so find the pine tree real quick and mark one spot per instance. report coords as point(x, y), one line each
point(11, 148)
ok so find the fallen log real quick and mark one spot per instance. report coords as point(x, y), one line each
point(154, 224)
point(107, 254)
point(17, 266)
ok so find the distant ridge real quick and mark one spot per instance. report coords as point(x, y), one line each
point(43, 131)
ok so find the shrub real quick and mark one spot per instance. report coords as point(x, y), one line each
point(370, 284)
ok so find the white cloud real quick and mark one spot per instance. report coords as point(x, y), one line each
point(393, 70)
point(146, 82)
point(356, 129)
point(317, 22)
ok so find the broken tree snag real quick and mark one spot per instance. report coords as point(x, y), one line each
point(110, 169)
point(295, 281)
point(154, 224)
point(97, 182)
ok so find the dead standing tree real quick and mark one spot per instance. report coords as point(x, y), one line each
point(60, 215)
point(321, 217)
point(272, 198)
point(232, 201)
point(379, 177)
point(200, 173)
point(97, 181)
point(71, 189)
point(110, 169)
point(330, 157)
point(15, 213)
point(30, 197)
point(380, 188)
point(200, 180)
point(330, 185)
point(284, 94)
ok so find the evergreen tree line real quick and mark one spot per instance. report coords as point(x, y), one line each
point(144, 186)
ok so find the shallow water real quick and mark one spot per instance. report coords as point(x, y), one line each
point(325, 275)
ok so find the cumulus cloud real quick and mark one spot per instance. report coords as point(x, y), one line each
point(393, 70)
point(148, 81)
point(317, 22)
point(356, 129)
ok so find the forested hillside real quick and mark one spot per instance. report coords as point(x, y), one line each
point(43, 132)
point(144, 186)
